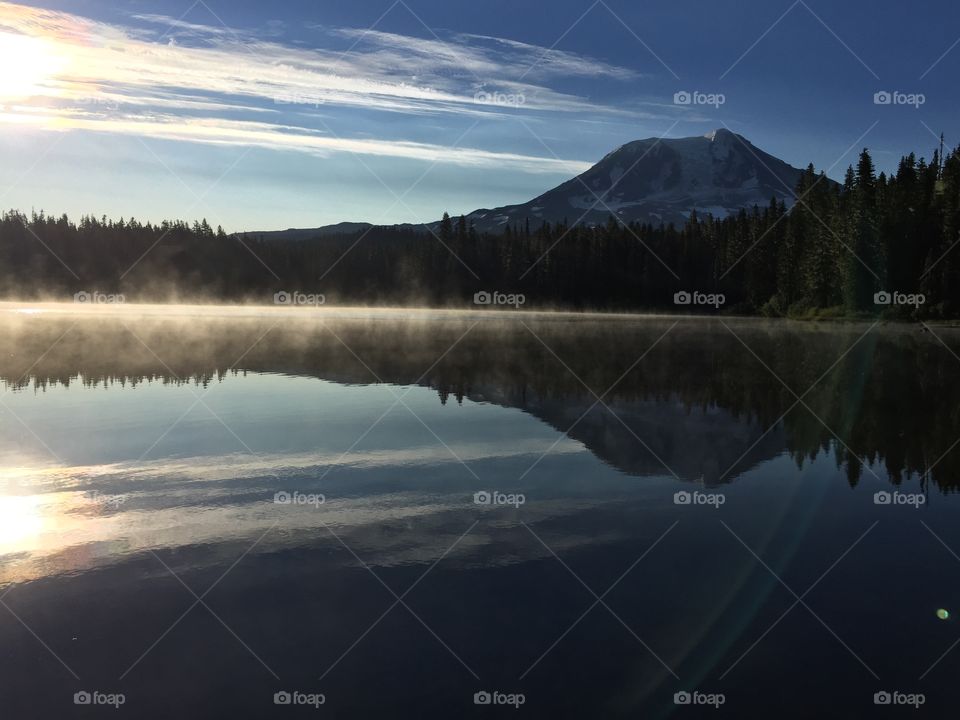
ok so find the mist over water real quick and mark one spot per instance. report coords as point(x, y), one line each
point(499, 464)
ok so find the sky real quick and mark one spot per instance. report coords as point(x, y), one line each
point(270, 115)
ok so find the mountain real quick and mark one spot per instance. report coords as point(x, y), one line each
point(659, 180)
point(655, 181)
point(343, 228)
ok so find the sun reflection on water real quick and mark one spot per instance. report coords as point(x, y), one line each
point(21, 522)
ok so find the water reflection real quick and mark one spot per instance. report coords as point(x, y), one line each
point(702, 394)
point(139, 450)
point(203, 419)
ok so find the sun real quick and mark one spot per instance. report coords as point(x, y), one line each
point(29, 64)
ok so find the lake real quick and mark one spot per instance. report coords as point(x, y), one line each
point(212, 512)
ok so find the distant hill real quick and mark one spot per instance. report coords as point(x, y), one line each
point(343, 228)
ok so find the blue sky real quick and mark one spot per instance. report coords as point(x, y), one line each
point(298, 114)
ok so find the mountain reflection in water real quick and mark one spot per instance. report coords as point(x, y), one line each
point(139, 449)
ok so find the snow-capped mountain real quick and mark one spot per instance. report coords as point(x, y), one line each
point(654, 181)
point(659, 180)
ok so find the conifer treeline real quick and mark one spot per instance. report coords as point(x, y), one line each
point(829, 254)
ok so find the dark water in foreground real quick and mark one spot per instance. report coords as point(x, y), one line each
point(143, 550)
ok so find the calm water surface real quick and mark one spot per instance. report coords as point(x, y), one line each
point(674, 506)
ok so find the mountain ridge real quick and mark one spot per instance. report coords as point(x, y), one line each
point(651, 180)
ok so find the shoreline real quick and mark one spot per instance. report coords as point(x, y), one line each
point(251, 310)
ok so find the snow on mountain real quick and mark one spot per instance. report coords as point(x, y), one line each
point(659, 180)
point(652, 181)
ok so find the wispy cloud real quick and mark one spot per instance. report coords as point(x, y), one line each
point(219, 131)
point(168, 78)
point(482, 58)
point(540, 62)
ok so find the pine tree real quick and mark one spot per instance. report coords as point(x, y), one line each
point(863, 264)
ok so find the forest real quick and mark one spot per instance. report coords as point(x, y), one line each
point(871, 245)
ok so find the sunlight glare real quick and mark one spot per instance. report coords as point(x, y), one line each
point(29, 64)
point(21, 520)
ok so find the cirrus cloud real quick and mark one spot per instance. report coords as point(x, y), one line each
point(168, 78)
